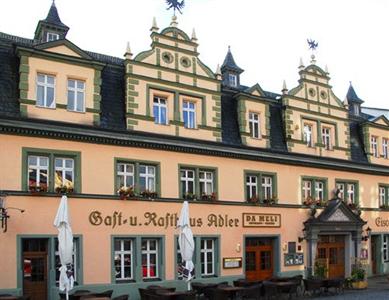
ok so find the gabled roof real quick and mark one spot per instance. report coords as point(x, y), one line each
point(53, 17)
point(229, 63)
point(352, 96)
point(66, 43)
point(382, 118)
point(255, 88)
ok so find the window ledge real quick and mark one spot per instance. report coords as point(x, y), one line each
point(40, 106)
point(75, 111)
point(151, 279)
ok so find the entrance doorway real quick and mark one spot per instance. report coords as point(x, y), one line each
point(374, 241)
point(330, 251)
point(34, 260)
point(259, 258)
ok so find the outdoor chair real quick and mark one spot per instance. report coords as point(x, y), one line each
point(270, 290)
point(104, 294)
point(313, 286)
point(336, 284)
point(252, 292)
point(144, 294)
point(215, 294)
point(190, 295)
point(121, 297)
point(199, 288)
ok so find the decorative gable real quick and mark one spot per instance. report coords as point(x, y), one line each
point(255, 90)
point(381, 120)
point(338, 216)
point(64, 47)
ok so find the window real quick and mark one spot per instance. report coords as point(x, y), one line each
point(356, 109)
point(232, 80)
point(52, 37)
point(207, 257)
point(160, 110)
point(251, 187)
point(75, 265)
point(267, 187)
point(147, 178)
point(141, 176)
point(266, 190)
point(125, 174)
point(198, 182)
point(326, 137)
point(45, 91)
point(254, 125)
point(348, 190)
point(308, 135)
point(38, 171)
point(382, 196)
point(76, 95)
point(50, 170)
point(150, 258)
point(351, 192)
point(189, 114)
point(307, 189)
point(385, 248)
point(314, 189)
point(385, 151)
point(123, 259)
point(64, 172)
point(206, 182)
point(340, 187)
point(187, 182)
point(374, 146)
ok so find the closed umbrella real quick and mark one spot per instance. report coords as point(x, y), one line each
point(65, 245)
point(186, 243)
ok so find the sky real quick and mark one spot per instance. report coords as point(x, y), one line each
point(267, 37)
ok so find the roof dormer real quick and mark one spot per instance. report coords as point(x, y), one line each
point(230, 71)
point(51, 28)
point(354, 102)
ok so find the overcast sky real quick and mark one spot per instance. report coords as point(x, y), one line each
point(267, 37)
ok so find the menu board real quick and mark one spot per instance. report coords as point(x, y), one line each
point(293, 259)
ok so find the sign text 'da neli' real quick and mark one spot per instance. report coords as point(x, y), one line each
point(261, 220)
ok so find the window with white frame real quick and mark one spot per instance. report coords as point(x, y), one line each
point(374, 146)
point(232, 80)
point(351, 192)
point(326, 137)
point(51, 36)
point(123, 259)
point(38, 171)
point(74, 265)
point(319, 190)
point(254, 124)
point(385, 150)
point(356, 109)
point(382, 196)
point(64, 172)
point(385, 249)
point(308, 135)
point(187, 181)
point(76, 95)
point(267, 187)
point(251, 187)
point(340, 187)
point(206, 182)
point(45, 91)
point(160, 110)
point(307, 189)
point(150, 253)
point(125, 174)
point(207, 257)
point(189, 114)
point(147, 178)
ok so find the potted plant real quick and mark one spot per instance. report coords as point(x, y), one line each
point(270, 200)
point(126, 192)
point(149, 194)
point(34, 188)
point(320, 270)
point(308, 201)
point(208, 197)
point(64, 189)
point(189, 196)
point(254, 199)
point(358, 276)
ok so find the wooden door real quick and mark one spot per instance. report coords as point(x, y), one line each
point(331, 250)
point(35, 274)
point(259, 262)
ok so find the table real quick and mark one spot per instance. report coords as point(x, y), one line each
point(231, 290)
point(286, 287)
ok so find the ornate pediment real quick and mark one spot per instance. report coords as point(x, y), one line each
point(338, 216)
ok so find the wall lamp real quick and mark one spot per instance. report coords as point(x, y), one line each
point(4, 216)
point(368, 234)
point(304, 237)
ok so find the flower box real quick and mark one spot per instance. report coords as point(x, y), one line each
point(208, 197)
point(64, 189)
point(359, 285)
point(34, 189)
point(126, 192)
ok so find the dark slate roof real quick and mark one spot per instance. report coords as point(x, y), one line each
point(372, 113)
point(230, 126)
point(352, 96)
point(229, 63)
point(277, 133)
point(356, 142)
point(53, 17)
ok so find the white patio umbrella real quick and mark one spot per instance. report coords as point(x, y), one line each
point(65, 245)
point(186, 242)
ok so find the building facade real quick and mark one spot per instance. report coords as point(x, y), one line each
point(129, 139)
